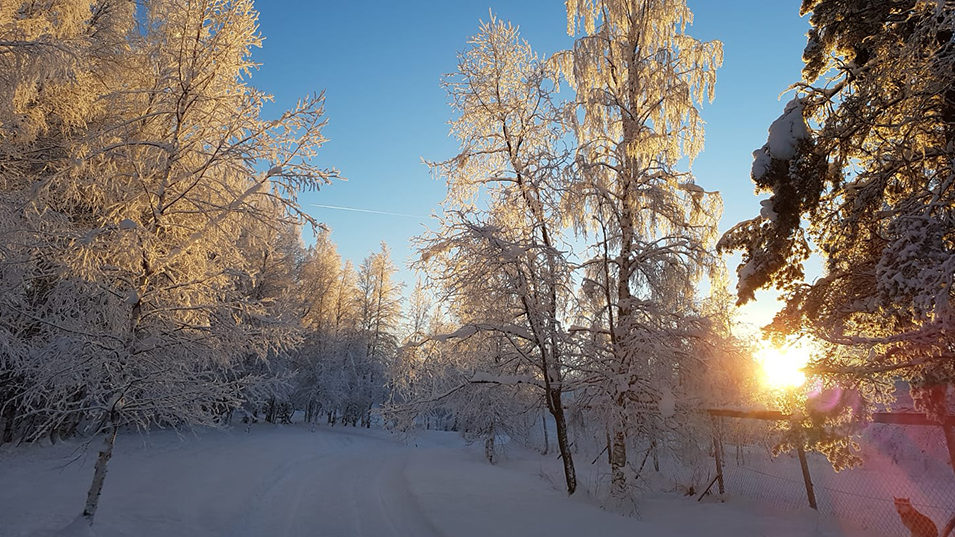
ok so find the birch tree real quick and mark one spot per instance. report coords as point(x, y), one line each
point(508, 253)
point(639, 81)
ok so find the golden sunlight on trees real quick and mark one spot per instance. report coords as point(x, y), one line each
point(639, 81)
point(506, 262)
point(157, 269)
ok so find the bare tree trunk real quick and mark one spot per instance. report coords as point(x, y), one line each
point(560, 423)
point(489, 446)
point(656, 456)
point(99, 474)
point(546, 439)
point(270, 412)
point(618, 464)
point(9, 417)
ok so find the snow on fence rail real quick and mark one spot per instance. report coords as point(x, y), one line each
point(902, 457)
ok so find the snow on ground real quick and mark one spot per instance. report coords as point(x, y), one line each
point(290, 481)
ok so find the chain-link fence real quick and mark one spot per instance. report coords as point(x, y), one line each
point(899, 461)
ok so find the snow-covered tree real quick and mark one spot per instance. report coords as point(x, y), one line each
point(639, 80)
point(420, 312)
point(319, 281)
point(859, 166)
point(345, 300)
point(51, 62)
point(502, 262)
point(132, 168)
point(426, 371)
point(468, 380)
point(275, 254)
point(322, 278)
point(379, 302)
point(372, 348)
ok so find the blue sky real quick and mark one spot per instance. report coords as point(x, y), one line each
point(380, 64)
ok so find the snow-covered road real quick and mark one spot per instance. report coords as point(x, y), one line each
point(333, 482)
point(361, 491)
point(282, 482)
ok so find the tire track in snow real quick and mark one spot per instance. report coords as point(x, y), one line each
point(272, 506)
point(398, 505)
point(339, 491)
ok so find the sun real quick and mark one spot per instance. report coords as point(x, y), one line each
point(782, 366)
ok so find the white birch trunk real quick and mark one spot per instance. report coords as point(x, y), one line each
point(99, 475)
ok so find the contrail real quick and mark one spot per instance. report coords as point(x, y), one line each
point(370, 211)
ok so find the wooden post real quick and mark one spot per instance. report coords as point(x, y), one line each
point(805, 476)
point(949, 440)
point(947, 430)
point(718, 455)
point(708, 487)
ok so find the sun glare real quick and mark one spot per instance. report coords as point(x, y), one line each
point(782, 366)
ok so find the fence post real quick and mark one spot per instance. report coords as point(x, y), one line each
point(717, 451)
point(805, 476)
point(949, 438)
